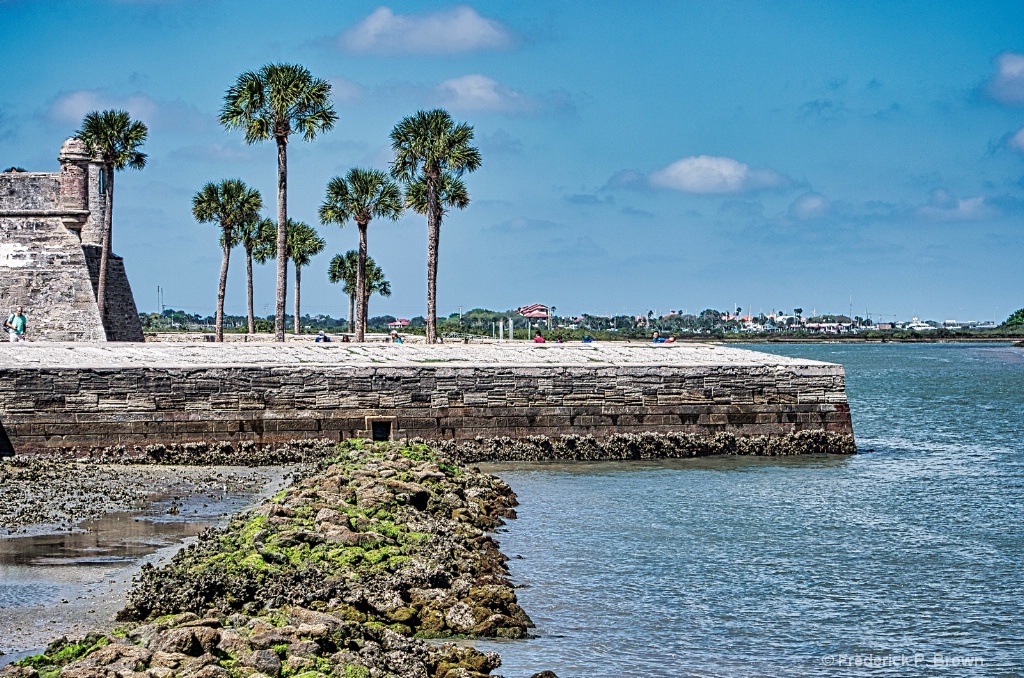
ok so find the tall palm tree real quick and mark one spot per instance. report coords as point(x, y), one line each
point(361, 195)
point(116, 139)
point(250, 234)
point(231, 204)
point(427, 145)
point(275, 102)
point(344, 269)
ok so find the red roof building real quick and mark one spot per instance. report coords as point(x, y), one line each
point(534, 311)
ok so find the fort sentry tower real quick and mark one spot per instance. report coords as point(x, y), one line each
point(51, 229)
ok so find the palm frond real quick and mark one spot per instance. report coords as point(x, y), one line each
point(451, 192)
point(265, 247)
point(360, 196)
point(230, 203)
point(115, 138)
point(277, 100)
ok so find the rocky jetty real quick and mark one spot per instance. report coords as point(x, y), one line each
point(341, 575)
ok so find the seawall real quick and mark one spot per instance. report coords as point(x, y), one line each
point(78, 397)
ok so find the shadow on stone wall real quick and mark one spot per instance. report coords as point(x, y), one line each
point(6, 447)
point(122, 317)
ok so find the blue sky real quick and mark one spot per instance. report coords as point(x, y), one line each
point(637, 156)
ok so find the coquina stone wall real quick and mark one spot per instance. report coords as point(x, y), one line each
point(88, 408)
point(43, 268)
point(122, 317)
point(50, 230)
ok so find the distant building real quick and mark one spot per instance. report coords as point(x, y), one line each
point(399, 324)
point(534, 311)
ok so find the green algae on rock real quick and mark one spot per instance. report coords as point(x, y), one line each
point(337, 576)
point(286, 643)
point(386, 534)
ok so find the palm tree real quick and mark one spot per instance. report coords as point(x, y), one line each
point(361, 195)
point(344, 269)
point(275, 102)
point(303, 244)
point(427, 145)
point(115, 138)
point(451, 192)
point(250, 235)
point(231, 204)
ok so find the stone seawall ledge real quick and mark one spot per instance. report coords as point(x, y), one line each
point(588, 399)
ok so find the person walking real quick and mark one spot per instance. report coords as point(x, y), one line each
point(15, 325)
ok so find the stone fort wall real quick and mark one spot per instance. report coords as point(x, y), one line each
point(86, 408)
point(50, 237)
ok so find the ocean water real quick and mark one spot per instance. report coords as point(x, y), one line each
point(906, 559)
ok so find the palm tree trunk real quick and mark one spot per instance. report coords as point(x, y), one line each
point(361, 285)
point(433, 242)
point(298, 281)
point(106, 245)
point(366, 308)
point(351, 313)
point(248, 275)
point(222, 288)
point(282, 241)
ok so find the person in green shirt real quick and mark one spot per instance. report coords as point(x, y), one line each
point(16, 325)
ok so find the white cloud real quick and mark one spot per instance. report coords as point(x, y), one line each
point(810, 206)
point(1016, 142)
point(480, 93)
point(711, 174)
point(1007, 85)
point(449, 31)
point(73, 106)
point(346, 91)
point(944, 207)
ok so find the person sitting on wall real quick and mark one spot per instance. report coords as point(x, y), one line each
point(322, 337)
point(539, 339)
point(15, 325)
point(587, 339)
point(657, 338)
point(395, 339)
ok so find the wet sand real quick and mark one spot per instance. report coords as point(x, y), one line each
point(73, 535)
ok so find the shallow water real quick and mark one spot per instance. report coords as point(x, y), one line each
point(903, 560)
point(60, 583)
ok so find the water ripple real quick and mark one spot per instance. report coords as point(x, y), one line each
point(794, 567)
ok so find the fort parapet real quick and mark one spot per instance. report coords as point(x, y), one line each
point(51, 230)
point(86, 397)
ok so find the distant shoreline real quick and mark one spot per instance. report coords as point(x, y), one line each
point(1012, 341)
